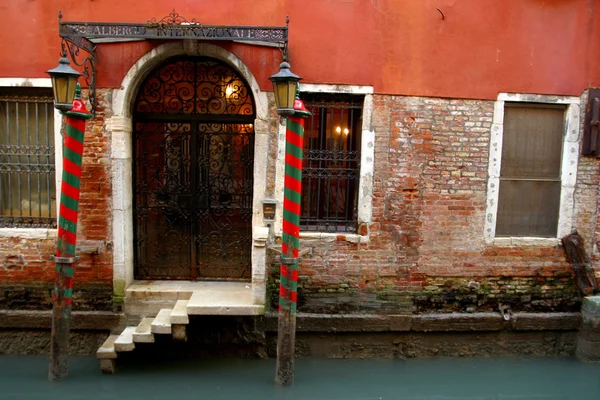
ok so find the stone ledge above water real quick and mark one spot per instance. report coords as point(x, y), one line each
point(452, 322)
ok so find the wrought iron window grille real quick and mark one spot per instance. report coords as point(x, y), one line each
point(331, 162)
point(27, 186)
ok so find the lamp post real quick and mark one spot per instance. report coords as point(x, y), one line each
point(285, 87)
point(67, 100)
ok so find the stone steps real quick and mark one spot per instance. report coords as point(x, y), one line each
point(163, 308)
point(125, 340)
point(179, 315)
point(143, 332)
point(166, 322)
point(162, 322)
point(107, 355)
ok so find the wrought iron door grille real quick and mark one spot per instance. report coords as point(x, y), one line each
point(27, 186)
point(194, 158)
point(331, 162)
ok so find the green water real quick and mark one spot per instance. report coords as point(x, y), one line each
point(24, 377)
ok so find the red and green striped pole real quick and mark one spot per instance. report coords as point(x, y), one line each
point(62, 296)
point(288, 289)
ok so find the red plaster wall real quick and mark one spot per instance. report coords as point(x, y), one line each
point(475, 50)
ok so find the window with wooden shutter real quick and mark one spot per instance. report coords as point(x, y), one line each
point(530, 174)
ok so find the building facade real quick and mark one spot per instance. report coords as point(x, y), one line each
point(443, 158)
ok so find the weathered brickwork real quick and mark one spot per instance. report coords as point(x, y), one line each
point(426, 250)
point(586, 195)
point(26, 272)
point(587, 206)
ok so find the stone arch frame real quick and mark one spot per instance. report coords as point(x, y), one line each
point(119, 127)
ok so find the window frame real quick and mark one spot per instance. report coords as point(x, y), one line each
point(342, 172)
point(39, 233)
point(367, 157)
point(568, 168)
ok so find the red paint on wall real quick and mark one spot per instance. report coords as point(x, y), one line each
point(476, 49)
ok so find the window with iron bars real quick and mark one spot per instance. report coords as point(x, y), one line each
point(27, 186)
point(331, 162)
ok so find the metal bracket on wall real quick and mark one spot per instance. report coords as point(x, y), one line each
point(93, 250)
point(289, 260)
point(64, 260)
point(71, 45)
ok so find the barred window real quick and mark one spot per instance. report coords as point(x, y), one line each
point(331, 162)
point(27, 186)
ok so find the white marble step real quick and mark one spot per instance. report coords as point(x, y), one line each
point(225, 301)
point(145, 298)
point(162, 323)
point(107, 350)
point(143, 332)
point(125, 340)
point(179, 315)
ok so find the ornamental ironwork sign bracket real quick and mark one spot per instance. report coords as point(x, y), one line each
point(71, 46)
point(84, 36)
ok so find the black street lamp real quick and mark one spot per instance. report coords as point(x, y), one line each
point(64, 80)
point(285, 83)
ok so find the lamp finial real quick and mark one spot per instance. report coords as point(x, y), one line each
point(78, 91)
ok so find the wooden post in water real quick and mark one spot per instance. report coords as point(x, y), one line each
point(67, 237)
point(286, 328)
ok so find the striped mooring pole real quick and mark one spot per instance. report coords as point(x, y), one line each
point(286, 328)
point(62, 296)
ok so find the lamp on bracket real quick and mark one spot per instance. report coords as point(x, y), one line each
point(64, 80)
point(285, 84)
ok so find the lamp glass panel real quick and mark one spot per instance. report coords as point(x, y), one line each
point(291, 93)
point(71, 83)
point(282, 89)
point(60, 86)
point(54, 92)
point(276, 93)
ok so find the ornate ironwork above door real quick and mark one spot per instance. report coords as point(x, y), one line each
point(194, 157)
point(84, 36)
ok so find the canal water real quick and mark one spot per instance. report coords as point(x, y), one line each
point(24, 377)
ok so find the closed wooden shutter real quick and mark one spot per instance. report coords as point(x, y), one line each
point(529, 193)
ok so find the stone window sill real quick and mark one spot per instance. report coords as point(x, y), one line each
point(523, 241)
point(28, 233)
point(334, 236)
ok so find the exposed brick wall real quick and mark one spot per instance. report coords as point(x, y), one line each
point(427, 250)
point(95, 222)
point(587, 206)
point(26, 272)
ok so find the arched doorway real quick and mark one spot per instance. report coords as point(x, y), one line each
point(193, 158)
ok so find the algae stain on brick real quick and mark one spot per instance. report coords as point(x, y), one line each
point(118, 290)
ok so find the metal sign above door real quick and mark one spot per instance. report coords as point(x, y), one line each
point(173, 26)
point(78, 36)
